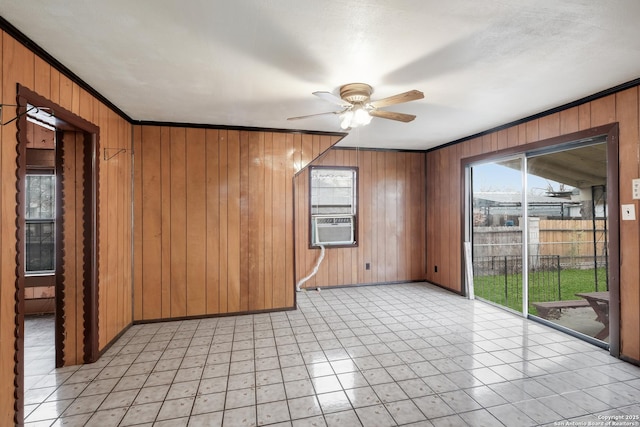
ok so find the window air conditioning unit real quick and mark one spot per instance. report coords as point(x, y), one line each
point(333, 230)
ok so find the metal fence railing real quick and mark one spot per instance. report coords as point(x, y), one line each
point(499, 279)
point(551, 278)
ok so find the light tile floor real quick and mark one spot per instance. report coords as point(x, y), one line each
point(39, 343)
point(408, 354)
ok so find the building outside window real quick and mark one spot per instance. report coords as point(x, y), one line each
point(40, 223)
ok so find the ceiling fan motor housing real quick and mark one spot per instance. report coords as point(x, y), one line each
point(356, 93)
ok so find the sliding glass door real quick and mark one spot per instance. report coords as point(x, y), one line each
point(553, 265)
point(497, 233)
point(567, 238)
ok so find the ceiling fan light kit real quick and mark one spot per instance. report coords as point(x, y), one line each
point(357, 116)
point(358, 109)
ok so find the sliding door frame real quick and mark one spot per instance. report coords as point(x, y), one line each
point(610, 133)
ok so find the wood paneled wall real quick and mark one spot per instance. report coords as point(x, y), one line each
point(214, 219)
point(445, 186)
point(73, 243)
point(20, 65)
point(115, 235)
point(391, 221)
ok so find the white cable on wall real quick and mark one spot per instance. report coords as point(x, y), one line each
point(315, 270)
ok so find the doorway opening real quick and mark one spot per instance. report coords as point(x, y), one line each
point(69, 170)
point(543, 230)
point(40, 252)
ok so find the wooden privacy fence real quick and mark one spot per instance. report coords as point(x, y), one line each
point(576, 242)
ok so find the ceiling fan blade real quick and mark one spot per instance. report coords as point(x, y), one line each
point(391, 115)
point(328, 96)
point(412, 95)
point(313, 115)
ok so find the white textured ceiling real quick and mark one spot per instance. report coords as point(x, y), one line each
point(480, 64)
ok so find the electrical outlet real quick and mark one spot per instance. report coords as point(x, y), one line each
point(367, 266)
point(628, 212)
point(635, 184)
point(435, 269)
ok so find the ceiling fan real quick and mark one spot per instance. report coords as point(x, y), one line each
point(358, 109)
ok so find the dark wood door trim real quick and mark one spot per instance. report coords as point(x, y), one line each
point(66, 120)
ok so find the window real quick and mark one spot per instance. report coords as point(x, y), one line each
point(40, 223)
point(333, 206)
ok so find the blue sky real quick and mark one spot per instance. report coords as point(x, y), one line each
point(494, 177)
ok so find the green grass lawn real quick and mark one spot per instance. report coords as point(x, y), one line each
point(543, 286)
